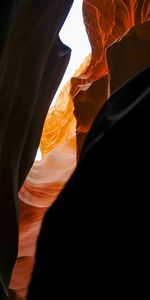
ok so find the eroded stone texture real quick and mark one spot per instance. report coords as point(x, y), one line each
point(128, 56)
point(46, 179)
point(113, 61)
point(106, 22)
point(92, 238)
point(32, 63)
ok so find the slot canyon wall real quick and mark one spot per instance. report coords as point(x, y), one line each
point(119, 34)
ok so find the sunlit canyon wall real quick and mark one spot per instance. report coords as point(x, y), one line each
point(119, 33)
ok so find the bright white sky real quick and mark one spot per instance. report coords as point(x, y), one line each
point(74, 35)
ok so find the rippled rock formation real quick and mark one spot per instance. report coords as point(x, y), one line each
point(119, 33)
point(93, 239)
point(32, 63)
point(128, 56)
point(106, 22)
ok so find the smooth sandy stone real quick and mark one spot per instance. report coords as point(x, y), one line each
point(32, 63)
point(93, 243)
point(128, 56)
point(106, 22)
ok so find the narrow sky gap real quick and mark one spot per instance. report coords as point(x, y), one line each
point(73, 34)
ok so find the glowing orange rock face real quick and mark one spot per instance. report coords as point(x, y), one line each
point(106, 22)
point(43, 183)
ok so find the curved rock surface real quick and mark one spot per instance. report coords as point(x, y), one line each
point(116, 29)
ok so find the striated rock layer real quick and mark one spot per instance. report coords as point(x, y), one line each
point(44, 182)
point(106, 22)
point(93, 239)
point(119, 33)
point(32, 63)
